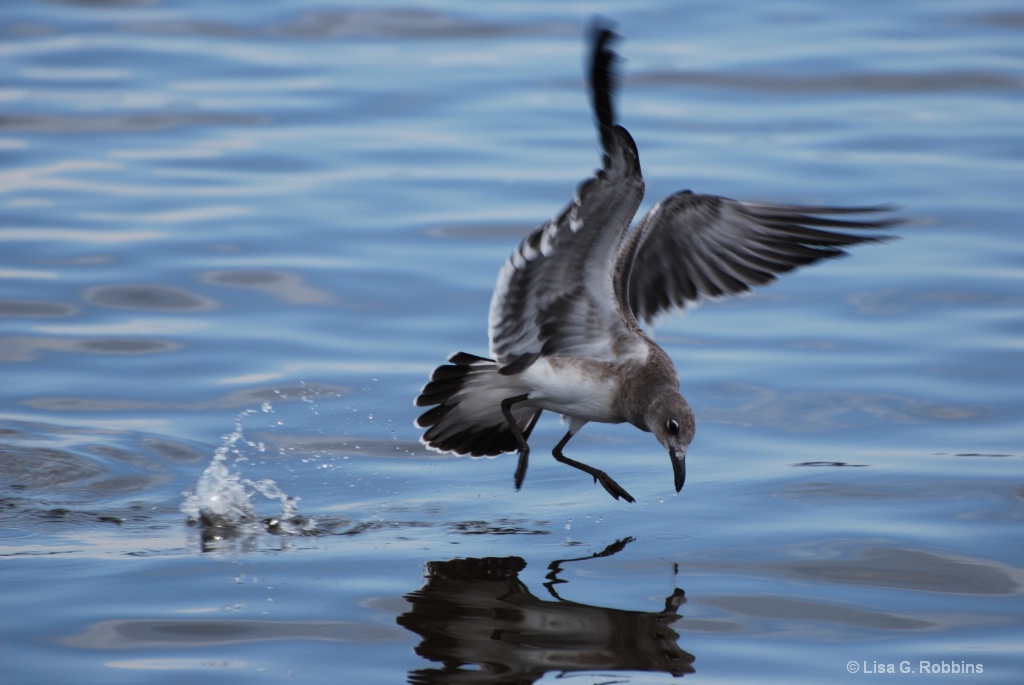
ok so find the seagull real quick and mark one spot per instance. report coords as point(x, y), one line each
point(564, 321)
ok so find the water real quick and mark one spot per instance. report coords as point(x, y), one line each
point(233, 244)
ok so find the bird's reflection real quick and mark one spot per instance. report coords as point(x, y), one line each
point(482, 624)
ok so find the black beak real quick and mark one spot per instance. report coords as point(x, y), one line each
point(678, 467)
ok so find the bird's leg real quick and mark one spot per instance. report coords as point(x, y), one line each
point(524, 448)
point(606, 481)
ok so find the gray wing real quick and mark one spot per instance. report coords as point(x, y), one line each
point(555, 293)
point(690, 247)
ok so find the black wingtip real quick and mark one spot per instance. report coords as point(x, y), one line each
point(602, 78)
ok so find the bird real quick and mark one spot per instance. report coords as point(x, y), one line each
point(564, 320)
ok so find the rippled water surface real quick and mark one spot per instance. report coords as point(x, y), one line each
point(235, 238)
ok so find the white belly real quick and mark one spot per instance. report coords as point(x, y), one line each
point(579, 391)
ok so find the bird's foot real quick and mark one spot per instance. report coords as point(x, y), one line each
point(611, 487)
point(524, 460)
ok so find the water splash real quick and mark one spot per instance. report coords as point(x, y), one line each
point(222, 502)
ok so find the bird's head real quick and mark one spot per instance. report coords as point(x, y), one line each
point(671, 420)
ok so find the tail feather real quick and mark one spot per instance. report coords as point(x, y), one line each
point(465, 414)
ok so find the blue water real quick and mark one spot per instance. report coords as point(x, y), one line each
point(235, 238)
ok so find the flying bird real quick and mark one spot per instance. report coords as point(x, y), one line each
point(564, 322)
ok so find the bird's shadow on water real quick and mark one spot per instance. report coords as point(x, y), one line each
point(482, 624)
point(475, 618)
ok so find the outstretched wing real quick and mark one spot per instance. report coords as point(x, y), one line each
point(690, 247)
point(555, 292)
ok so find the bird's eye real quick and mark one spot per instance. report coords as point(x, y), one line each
point(672, 426)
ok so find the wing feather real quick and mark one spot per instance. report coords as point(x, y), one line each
point(690, 247)
point(555, 292)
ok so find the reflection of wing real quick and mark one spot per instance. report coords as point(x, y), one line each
point(554, 294)
point(692, 246)
point(476, 612)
